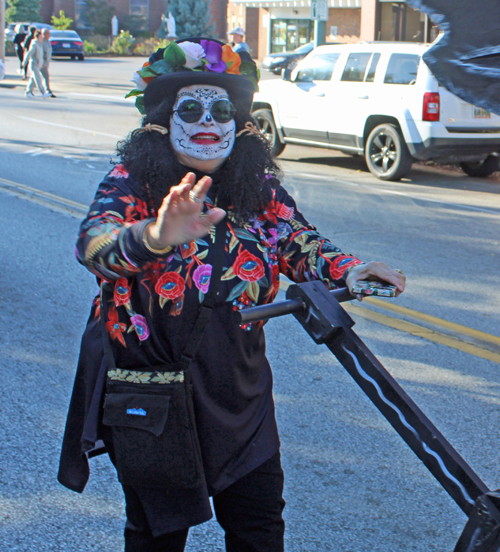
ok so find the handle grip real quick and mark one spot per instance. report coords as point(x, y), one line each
point(273, 310)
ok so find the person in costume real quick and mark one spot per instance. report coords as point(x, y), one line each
point(196, 193)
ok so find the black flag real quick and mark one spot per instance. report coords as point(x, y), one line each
point(465, 57)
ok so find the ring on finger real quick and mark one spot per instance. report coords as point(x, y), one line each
point(194, 198)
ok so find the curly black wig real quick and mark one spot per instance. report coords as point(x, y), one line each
point(242, 184)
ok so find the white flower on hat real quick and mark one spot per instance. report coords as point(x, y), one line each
point(140, 84)
point(194, 53)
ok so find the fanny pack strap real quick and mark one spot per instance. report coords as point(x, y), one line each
point(206, 310)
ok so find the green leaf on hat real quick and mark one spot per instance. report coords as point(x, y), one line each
point(139, 103)
point(135, 92)
point(247, 68)
point(174, 55)
point(161, 67)
point(146, 72)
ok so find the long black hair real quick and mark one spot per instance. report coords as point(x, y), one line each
point(241, 184)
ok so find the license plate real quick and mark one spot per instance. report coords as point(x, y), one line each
point(480, 113)
point(66, 45)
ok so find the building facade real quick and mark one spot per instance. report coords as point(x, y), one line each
point(151, 10)
point(276, 26)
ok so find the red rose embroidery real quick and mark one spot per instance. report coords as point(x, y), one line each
point(248, 267)
point(119, 172)
point(122, 292)
point(340, 264)
point(170, 285)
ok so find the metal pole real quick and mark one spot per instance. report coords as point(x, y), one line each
point(2, 30)
point(319, 33)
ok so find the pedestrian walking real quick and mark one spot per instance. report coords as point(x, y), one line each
point(238, 40)
point(19, 38)
point(34, 57)
point(192, 225)
point(26, 46)
point(47, 56)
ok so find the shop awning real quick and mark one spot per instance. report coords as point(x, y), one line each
point(296, 3)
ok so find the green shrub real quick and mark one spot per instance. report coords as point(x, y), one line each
point(62, 22)
point(148, 47)
point(89, 47)
point(122, 44)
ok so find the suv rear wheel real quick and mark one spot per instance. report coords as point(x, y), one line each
point(482, 168)
point(387, 154)
point(266, 123)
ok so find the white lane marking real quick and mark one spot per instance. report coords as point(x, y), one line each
point(43, 152)
point(122, 98)
point(68, 127)
point(357, 185)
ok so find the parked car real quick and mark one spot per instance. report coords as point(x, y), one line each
point(282, 60)
point(379, 100)
point(10, 32)
point(67, 43)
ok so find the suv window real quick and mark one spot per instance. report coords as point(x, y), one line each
point(402, 69)
point(317, 68)
point(355, 68)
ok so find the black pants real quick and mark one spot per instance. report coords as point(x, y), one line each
point(249, 511)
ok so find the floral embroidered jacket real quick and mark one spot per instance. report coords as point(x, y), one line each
point(154, 300)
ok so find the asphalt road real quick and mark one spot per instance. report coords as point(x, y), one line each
point(352, 485)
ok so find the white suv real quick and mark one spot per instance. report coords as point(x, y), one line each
point(379, 100)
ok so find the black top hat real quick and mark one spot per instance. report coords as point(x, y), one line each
point(199, 60)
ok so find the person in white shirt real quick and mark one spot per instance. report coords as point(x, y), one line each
point(238, 38)
point(47, 56)
point(35, 59)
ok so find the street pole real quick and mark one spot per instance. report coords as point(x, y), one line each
point(319, 14)
point(319, 33)
point(2, 30)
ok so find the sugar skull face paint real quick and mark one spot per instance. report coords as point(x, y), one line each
point(202, 127)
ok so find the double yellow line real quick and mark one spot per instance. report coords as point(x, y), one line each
point(440, 331)
point(453, 335)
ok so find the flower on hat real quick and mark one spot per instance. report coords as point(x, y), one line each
point(194, 54)
point(213, 56)
point(140, 84)
point(231, 59)
point(208, 56)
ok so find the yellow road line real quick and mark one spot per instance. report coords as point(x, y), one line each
point(36, 191)
point(421, 331)
point(386, 305)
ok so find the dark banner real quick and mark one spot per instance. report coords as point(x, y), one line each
point(465, 57)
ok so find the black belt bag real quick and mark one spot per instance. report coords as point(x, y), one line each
point(150, 410)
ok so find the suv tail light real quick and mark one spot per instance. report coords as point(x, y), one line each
point(431, 106)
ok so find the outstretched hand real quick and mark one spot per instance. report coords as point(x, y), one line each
point(377, 271)
point(180, 217)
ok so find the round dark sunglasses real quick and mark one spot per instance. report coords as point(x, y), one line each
point(191, 111)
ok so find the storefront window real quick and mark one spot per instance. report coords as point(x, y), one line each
point(398, 21)
point(288, 34)
point(80, 16)
point(139, 8)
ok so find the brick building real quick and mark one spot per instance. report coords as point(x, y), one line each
point(279, 25)
point(282, 25)
point(151, 10)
